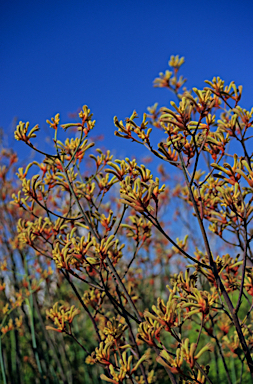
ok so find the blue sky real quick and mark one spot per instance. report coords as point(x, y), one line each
point(58, 55)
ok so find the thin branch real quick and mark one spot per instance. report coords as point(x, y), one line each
point(155, 222)
point(203, 372)
point(243, 267)
point(83, 304)
point(120, 220)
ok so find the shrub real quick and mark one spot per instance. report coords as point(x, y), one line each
point(96, 238)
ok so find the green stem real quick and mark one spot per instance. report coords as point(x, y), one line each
point(13, 353)
point(29, 303)
point(2, 363)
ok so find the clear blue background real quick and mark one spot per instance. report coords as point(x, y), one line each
point(58, 55)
